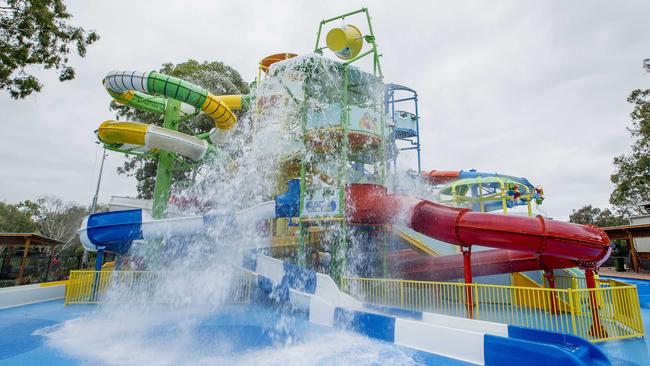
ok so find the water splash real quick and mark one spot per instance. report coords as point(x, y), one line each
point(166, 323)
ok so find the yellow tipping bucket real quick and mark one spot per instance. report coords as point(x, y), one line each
point(346, 41)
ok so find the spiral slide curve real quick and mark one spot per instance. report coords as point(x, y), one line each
point(522, 242)
point(146, 91)
point(154, 83)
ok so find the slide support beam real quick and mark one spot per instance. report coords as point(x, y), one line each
point(597, 328)
point(166, 159)
point(467, 269)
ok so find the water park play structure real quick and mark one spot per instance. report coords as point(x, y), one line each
point(337, 213)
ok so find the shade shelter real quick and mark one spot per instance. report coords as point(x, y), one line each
point(13, 244)
point(629, 233)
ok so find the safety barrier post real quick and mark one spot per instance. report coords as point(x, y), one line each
point(401, 293)
point(550, 276)
point(467, 266)
point(98, 267)
point(596, 329)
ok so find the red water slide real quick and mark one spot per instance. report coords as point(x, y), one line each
point(523, 243)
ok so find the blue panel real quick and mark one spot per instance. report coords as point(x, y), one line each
point(579, 347)
point(288, 204)
point(250, 261)
point(299, 278)
point(278, 293)
point(265, 284)
point(115, 230)
point(402, 133)
point(508, 351)
point(373, 325)
point(402, 313)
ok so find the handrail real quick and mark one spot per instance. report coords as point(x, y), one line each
point(566, 310)
point(94, 287)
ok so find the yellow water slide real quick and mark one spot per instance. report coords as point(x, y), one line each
point(152, 138)
point(415, 240)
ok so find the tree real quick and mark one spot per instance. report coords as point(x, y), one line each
point(15, 220)
point(219, 79)
point(37, 32)
point(632, 173)
point(55, 218)
point(588, 215)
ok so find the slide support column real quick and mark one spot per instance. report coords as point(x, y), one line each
point(467, 266)
point(597, 329)
point(166, 162)
point(550, 277)
point(98, 267)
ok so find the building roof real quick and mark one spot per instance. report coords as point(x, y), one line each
point(625, 231)
point(19, 239)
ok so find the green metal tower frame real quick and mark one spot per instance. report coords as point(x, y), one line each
point(339, 250)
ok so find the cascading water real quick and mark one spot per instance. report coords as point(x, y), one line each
point(184, 316)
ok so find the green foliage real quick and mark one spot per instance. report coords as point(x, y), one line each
point(632, 174)
point(219, 79)
point(37, 33)
point(55, 218)
point(15, 220)
point(588, 215)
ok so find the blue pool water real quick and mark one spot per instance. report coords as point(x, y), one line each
point(53, 334)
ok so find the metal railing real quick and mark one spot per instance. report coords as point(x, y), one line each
point(609, 312)
point(573, 282)
point(93, 287)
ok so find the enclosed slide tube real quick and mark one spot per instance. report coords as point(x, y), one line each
point(154, 83)
point(147, 90)
point(447, 176)
point(152, 137)
point(115, 231)
point(554, 243)
point(409, 264)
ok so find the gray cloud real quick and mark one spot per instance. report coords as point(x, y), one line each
point(530, 89)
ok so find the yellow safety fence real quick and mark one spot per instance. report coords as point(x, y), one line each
point(573, 282)
point(609, 312)
point(93, 287)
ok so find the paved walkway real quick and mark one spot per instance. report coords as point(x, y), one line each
point(610, 271)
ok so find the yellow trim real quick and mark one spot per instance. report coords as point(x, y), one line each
point(127, 95)
point(413, 241)
point(232, 101)
point(114, 132)
point(219, 111)
point(53, 283)
point(521, 280)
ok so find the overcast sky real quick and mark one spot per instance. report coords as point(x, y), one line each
point(534, 89)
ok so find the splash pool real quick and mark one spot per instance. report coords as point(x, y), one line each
point(39, 334)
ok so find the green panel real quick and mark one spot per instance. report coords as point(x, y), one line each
point(175, 88)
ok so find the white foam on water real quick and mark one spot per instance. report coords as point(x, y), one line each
point(128, 340)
